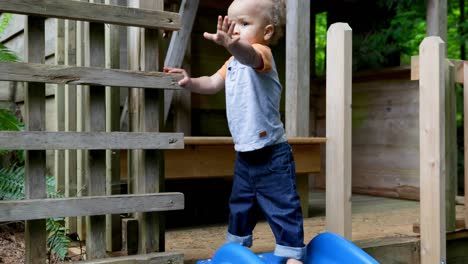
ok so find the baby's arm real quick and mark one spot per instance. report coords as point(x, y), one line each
point(241, 50)
point(202, 85)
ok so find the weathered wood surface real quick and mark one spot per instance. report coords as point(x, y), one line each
point(432, 150)
point(153, 258)
point(177, 48)
point(35, 162)
point(450, 146)
point(93, 13)
point(228, 140)
point(465, 124)
point(90, 140)
point(18, 210)
point(60, 74)
point(338, 124)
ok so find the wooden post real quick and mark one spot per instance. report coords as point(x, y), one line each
point(298, 80)
point(465, 113)
point(436, 17)
point(59, 164)
point(432, 149)
point(451, 146)
point(175, 56)
point(151, 180)
point(34, 51)
point(82, 97)
point(113, 222)
point(338, 129)
point(96, 167)
point(70, 119)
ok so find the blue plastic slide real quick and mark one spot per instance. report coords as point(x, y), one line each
point(326, 248)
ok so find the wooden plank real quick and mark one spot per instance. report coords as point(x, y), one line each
point(96, 121)
point(18, 210)
point(153, 258)
point(59, 159)
point(93, 12)
point(465, 124)
point(228, 140)
point(432, 150)
point(297, 68)
point(71, 181)
point(151, 180)
point(176, 52)
point(450, 147)
point(113, 222)
point(202, 161)
point(130, 235)
point(89, 140)
point(35, 163)
point(458, 64)
point(338, 124)
point(73, 75)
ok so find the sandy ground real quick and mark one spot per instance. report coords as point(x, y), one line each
point(372, 218)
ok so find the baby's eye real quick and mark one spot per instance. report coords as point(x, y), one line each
point(244, 24)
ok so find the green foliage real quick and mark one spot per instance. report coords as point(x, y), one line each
point(12, 188)
point(320, 42)
point(5, 53)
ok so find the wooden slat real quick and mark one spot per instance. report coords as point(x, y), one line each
point(153, 258)
point(450, 147)
point(176, 52)
point(151, 225)
point(458, 64)
point(228, 140)
point(60, 74)
point(89, 140)
point(432, 150)
point(297, 68)
point(113, 222)
point(18, 210)
point(93, 13)
point(35, 162)
point(338, 124)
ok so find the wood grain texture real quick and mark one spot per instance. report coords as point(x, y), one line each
point(73, 75)
point(432, 150)
point(93, 12)
point(458, 64)
point(153, 258)
point(89, 140)
point(465, 124)
point(89, 205)
point(338, 129)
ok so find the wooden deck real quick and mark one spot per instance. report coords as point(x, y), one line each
point(374, 219)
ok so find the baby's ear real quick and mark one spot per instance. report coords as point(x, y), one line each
point(268, 32)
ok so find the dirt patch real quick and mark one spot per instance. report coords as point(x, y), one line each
point(12, 244)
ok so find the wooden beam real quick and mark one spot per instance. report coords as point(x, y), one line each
point(73, 75)
point(228, 140)
point(91, 12)
point(35, 161)
point(297, 68)
point(458, 64)
point(90, 140)
point(113, 222)
point(18, 210)
point(338, 124)
point(177, 49)
point(151, 180)
point(432, 150)
point(153, 258)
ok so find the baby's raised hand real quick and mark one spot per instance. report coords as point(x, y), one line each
point(224, 35)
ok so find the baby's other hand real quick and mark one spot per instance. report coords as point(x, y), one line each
point(185, 82)
point(224, 35)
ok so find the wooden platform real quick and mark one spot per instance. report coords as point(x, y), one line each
point(377, 223)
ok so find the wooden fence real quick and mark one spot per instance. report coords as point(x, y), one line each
point(84, 87)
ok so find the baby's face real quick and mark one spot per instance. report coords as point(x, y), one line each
point(250, 18)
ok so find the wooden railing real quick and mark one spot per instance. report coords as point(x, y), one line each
point(148, 198)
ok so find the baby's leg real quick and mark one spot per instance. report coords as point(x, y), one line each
point(293, 261)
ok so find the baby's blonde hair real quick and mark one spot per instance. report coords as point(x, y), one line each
point(277, 17)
